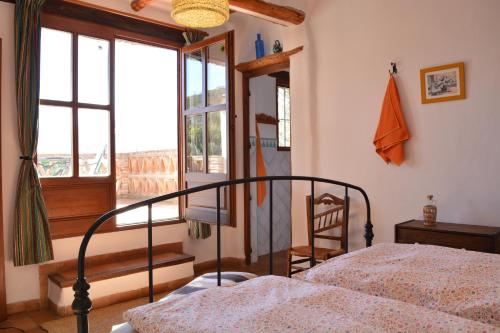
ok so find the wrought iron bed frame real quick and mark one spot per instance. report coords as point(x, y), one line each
point(82, 304)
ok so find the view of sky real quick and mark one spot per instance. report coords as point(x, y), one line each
point(145, 95)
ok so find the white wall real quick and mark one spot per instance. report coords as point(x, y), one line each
point(67, 248)
point(338, 84)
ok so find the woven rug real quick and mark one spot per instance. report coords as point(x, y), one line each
point(100, 320)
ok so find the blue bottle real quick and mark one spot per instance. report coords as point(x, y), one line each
point(259, 47)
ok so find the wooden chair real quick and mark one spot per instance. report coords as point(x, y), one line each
point(332, 213)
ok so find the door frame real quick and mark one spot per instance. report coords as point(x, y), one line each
point(3, 298)
point(247, 75)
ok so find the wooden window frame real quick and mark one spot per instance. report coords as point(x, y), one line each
point(3, 293)
point(282, 81)
point(71, 226)
point(229, 193)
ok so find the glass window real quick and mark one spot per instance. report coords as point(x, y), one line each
point(216, 74)
point(217, 142)
point(283, 97)
point(93, 70)
point(93, 143)
point(56, 65)
point(54, 152)
point(146, 138)
point(90, 122)
point(194, 143)
point(194, 80)
point(57, 126)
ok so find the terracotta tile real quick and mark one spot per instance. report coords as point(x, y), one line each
point(20, 321)
point(43, 316)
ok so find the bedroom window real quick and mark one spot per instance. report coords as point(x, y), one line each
point(283, 116)
point(146, 129)
point(108, 128)
point(208, 117)
point(74, 138)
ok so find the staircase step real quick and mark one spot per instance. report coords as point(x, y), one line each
point(117, 268)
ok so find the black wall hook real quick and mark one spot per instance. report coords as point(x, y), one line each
point(394, 68)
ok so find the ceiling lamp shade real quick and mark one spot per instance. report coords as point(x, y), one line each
point(200, 13)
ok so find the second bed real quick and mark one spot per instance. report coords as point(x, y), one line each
point(458, 282)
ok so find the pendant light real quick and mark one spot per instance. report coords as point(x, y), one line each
point(200, 13)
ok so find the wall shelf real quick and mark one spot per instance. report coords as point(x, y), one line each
point(268, 64)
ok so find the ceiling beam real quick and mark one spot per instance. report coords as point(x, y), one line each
point(269, 11)
point(276, 13)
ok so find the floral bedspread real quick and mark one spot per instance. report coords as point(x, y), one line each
point(278, 304)
point(459, 282)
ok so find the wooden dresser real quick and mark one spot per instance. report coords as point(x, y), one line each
point(460, 236)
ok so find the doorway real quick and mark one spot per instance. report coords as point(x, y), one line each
point(269, 109)
point(266, 107)
point(271, 64)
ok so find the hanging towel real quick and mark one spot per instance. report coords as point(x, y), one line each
point(261, 168)
point(392, 131)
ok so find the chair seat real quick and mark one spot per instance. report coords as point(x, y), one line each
point(320, 253)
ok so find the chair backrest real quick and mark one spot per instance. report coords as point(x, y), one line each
point(330, 212)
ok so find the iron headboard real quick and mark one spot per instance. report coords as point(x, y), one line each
point(82, 304)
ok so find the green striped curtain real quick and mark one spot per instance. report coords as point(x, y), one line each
point(32, 243)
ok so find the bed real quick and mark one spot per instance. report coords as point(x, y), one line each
point(205, 281)
point(459, 282)
point(82, 303)
point(279, 304)
point(386, 288)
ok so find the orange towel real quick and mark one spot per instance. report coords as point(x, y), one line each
point(261, 168)
point(392, 131)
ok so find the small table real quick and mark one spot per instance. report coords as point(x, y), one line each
point(460, 236)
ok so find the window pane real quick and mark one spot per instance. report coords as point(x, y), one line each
point(283, 116)
point(287, 104)
point(216, 73)
point(287, 133)
point(194, 80)
point(54, 152)
point(56, 65)
point(145, 129)
point(194, 144)
point(93, 143)
point(281, 103)
point(217, 142)
point(93, 70)
point(282, 139)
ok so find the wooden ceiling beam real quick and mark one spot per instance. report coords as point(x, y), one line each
point(269, 11)
point(258, 8)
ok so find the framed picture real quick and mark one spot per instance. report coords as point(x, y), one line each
point(443, 83)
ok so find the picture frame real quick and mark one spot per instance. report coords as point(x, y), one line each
point(443, 83)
